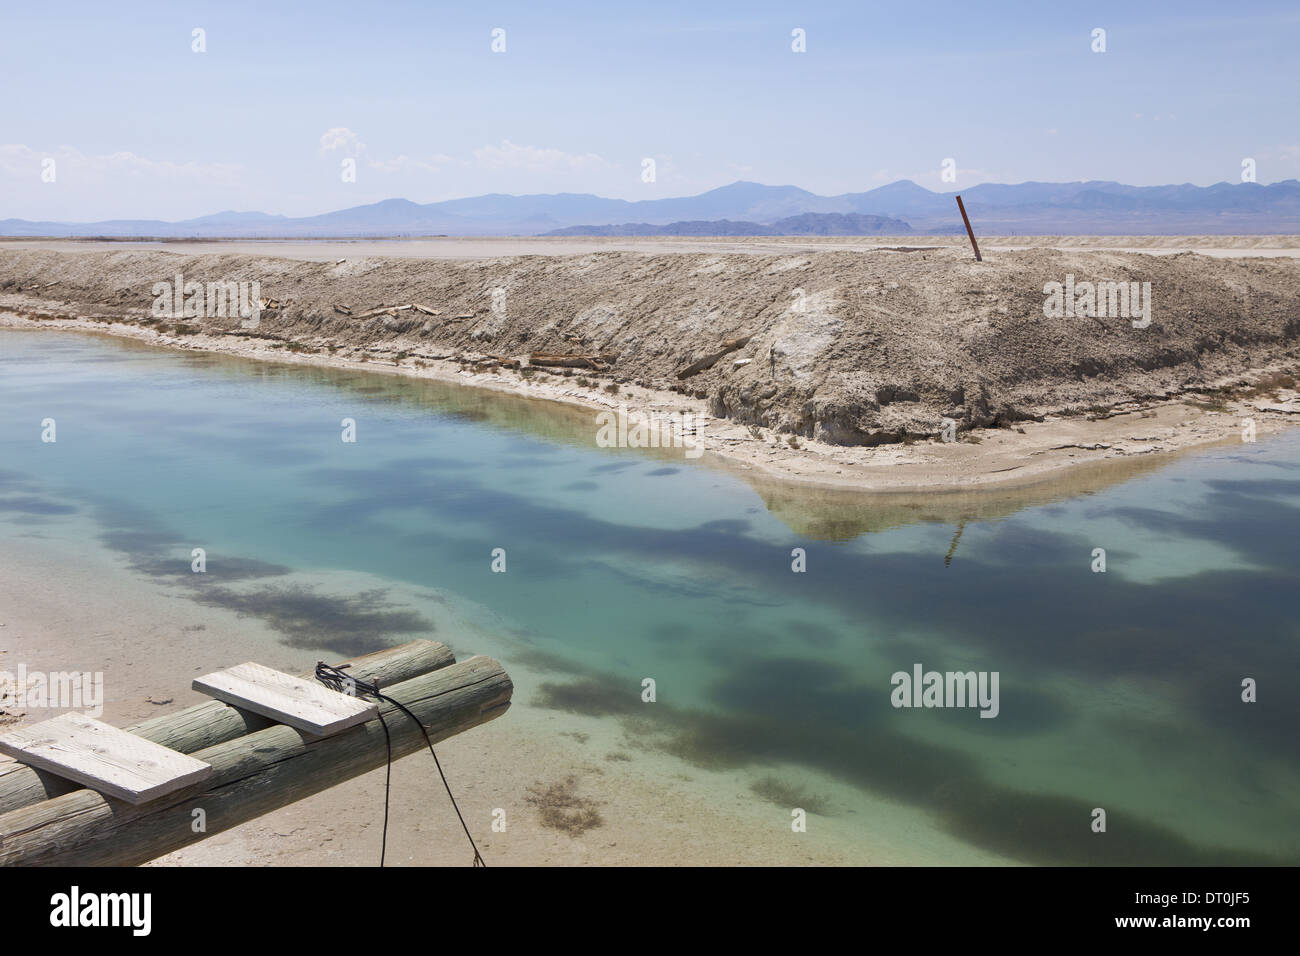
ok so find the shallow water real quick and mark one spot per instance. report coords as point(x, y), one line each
point(1118, 690)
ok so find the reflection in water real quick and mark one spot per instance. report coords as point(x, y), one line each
point(1119, 690)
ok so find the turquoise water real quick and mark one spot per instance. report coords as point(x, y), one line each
point(1118, 690)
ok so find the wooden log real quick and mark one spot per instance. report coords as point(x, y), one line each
point(710, 360)
point(381, 310)
point(495, 360)
point(572, 361)
point(251, 776)
point(212, 722)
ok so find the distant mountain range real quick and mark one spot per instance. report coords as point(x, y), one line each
point(806, 224)
point(1083, 208)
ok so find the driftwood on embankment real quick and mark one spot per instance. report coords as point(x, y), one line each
point(710, 360)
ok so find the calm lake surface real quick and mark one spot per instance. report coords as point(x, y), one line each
point(1119, 690)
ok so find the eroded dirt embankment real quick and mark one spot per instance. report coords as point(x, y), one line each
point(845, 347)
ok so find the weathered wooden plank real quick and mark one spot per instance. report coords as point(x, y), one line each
point(104, 758)
point(213, 722)
point(712, 359)
point(307, 705)
point(251, 776)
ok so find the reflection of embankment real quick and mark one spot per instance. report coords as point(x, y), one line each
point(534, 417)
point(839, 514)
point(810, 510)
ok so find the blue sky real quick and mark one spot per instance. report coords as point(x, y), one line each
point(140, 126)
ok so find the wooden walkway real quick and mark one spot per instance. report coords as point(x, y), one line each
point(85, 793)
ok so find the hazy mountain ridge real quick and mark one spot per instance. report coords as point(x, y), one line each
point(805, 224)
point(1094, 207)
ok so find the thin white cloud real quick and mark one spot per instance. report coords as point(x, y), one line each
point(403, 163)
point(19, 161)
point(513, 156)
point(340, 137)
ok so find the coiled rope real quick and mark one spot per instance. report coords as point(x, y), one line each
point(335, 679)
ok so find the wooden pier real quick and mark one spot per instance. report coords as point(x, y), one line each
point(257, 764)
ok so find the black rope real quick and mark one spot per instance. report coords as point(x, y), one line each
point(335, 679)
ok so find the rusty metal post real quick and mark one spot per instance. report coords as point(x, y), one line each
point(969, 231)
